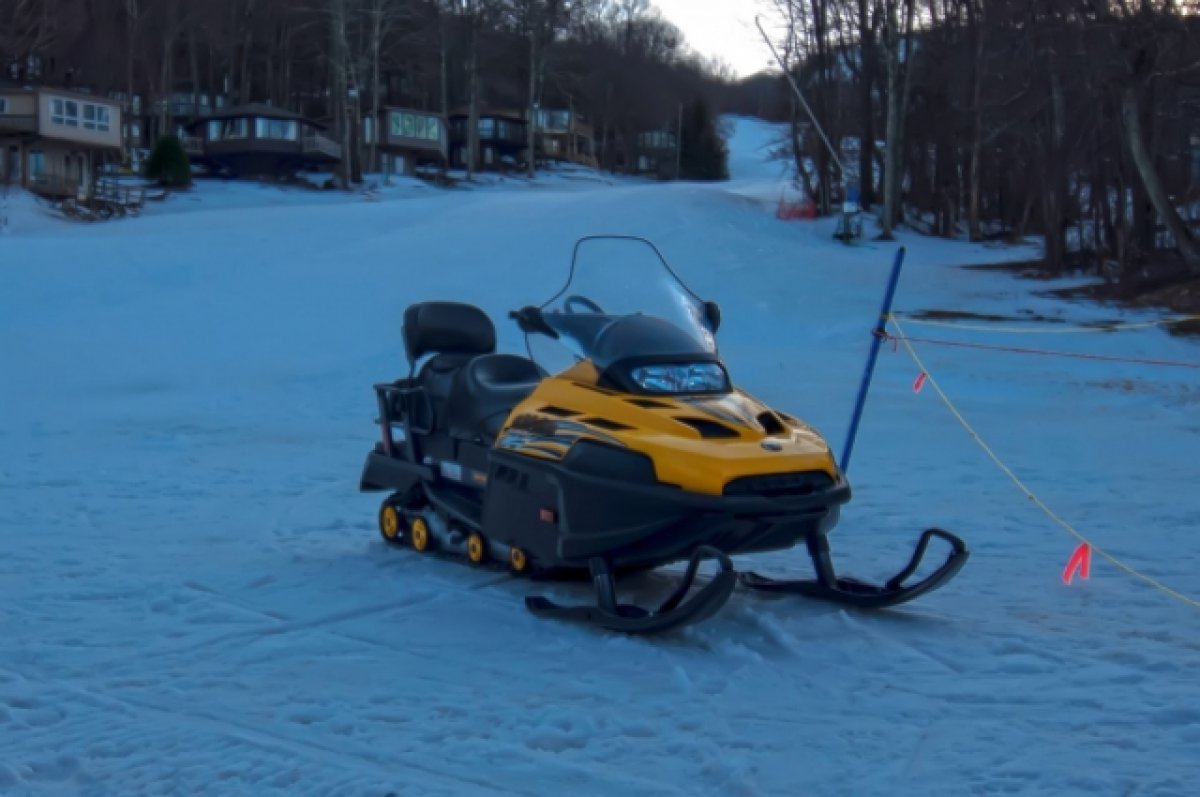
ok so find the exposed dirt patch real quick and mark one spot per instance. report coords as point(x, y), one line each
point(956, 315)
point(1162, 285)
point(938, 314)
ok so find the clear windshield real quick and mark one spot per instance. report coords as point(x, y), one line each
point(613, 277)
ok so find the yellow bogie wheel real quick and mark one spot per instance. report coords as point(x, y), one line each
point(390, 523)
point(418, 534)
point(476, 548)
point(518, 560)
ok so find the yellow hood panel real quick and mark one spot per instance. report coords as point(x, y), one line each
point(571, 405)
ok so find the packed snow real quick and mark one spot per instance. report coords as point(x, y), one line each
point(194, 598)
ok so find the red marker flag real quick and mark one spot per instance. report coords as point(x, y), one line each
point(1080, 561)
point(920, 383)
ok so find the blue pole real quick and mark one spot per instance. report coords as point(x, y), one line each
point(876, 342)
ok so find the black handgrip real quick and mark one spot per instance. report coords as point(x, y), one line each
point(529, 319)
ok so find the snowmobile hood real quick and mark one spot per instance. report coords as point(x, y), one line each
point(700, 443)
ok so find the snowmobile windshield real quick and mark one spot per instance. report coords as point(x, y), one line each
point(623, 304)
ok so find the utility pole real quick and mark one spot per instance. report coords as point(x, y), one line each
point(679, 142)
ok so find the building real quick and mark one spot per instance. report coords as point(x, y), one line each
point(258, 140)
point(502, 139)
point(53, 141)
point(655, 154)
point(563, 135)
point(405, 139)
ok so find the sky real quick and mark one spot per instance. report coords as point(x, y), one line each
point(723, 28)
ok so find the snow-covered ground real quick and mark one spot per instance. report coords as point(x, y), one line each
point(194, 598)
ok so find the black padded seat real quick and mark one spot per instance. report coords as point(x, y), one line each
point(485, 392)
point(447, 328)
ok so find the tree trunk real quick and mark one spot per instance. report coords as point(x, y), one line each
point(473, 93)
point(131, 20)
point(1131, 115)
point(1054, 171)
point(802, 175)
point(245, 83)
point(166, 78)
point(823, 159)
point(445, 62)
point(338, 47)
point(376, 48)
point(194, 65)
point(890, 168)
point(866, 146)
point(976, 123)
point(531, 126)
point(905, 95)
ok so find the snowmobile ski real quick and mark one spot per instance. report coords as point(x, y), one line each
point(859, 594)
point(674, 612)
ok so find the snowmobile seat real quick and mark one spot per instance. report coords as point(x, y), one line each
point(453, 333)
point(485, 391)
point(446, 328)
point(471, 389)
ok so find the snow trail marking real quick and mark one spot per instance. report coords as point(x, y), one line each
point(1081, 562)
point(1158, 585)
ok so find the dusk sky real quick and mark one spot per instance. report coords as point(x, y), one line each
point(725, 29)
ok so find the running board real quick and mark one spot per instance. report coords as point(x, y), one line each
point(851, 592)
point(629, 619)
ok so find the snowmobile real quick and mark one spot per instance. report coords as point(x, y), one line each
point(633, 452)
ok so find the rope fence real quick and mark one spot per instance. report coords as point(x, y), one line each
point(1049, 352)
point(928, 378)
point(1064, 329)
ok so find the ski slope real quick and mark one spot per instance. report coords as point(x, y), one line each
point(194, 599)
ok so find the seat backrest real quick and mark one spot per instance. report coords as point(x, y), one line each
point(447, 328)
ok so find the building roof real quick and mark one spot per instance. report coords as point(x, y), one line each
point(406, 109)
point(8, 87)
point(489, 113)
point(256, 109)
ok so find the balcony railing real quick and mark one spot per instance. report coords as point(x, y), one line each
point(55, 186)
point(321, 145)
point(18, 123)
point(183, 108)
point(193, 145)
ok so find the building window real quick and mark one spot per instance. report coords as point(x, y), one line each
point(236, 128)
point(554, 120)
point(214, 130)
point(656, 139)
point(64, 112)
point(368, 130)
point(277, 129)
point(37, 164)
point(3, 104)
point(96, 117)
point(411, 125)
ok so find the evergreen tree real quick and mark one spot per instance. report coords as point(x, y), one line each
point(704, 154)
point(168, 163)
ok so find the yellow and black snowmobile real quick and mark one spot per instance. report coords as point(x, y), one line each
point(636, 452)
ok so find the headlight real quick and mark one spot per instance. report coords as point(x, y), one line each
point(681, 378)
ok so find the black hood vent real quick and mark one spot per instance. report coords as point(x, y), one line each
point(709, 429)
